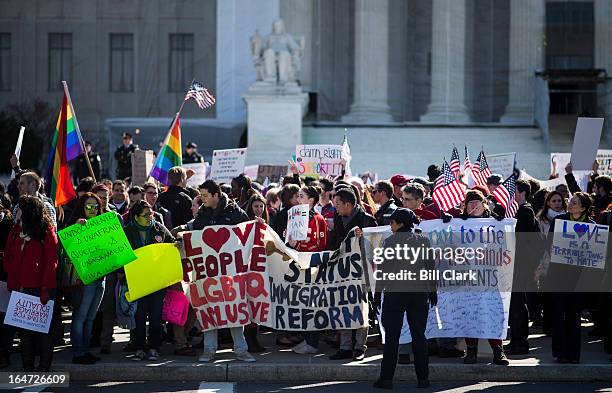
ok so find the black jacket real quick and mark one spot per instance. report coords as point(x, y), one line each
point(158, 234)
point(600, 203)
point(279, 222)
point(529, 249)
point(176, 200)
point(226, 213)
point(383, 215)
point(359, 218)
point(166, 217)
point(123, 155)
point(394, 265)
point(192, 158)
point(81, 168)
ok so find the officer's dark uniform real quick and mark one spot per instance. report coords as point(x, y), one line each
point(81, 169)
point(194, 158)
point(410, 298)
point(123, 155)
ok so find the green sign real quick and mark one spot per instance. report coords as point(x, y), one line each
point(98, 247)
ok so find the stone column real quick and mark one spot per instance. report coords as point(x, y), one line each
point(527, 27)
point(603, 59)
point(447, 104)
point(371, 53)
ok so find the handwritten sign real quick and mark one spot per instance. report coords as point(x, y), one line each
point(319, 160)
point(245, 273)
point(201, 170)
point(227, 164)
point(502, 163)
point(580, 244)
point(98, 247)
point(27, 312)
point(297, 223)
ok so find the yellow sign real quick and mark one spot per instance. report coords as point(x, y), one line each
point(158, 266)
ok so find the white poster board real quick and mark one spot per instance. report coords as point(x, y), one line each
point(297, 223)
point(502, 163)
point(251, 171)
point(319, 160)
point(27, 312)
point(586, 142)
point(200, 169)
point(227, 164)
point(580, 244)
point(18, 147)
point(142, 163)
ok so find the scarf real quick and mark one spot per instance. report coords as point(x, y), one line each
point(551, 214)
point(146, 239)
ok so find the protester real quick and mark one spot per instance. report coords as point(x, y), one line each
point(288, 196)
point(348, 216)
point(29, 183)
point(135, 194)
point(218, 209)
point(119, 197)
point(494, 181)
point(273, 202)
point(242, 189)
point(162, 215)
point(401, 299)
point(141, 230)
point(256, 207)
point(383, 196)
point(433, 173)
point(412, 198)
point(567, 305)
point(81, 168)
point(123, 155)
point(398, 181)
point(191, 155)
point(477, 207)
point(30, 262)
point(527, 257)
point(86, 298)
point(6, 331)
point(325, 206)
point(176, 199)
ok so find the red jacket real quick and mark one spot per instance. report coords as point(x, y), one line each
point(424, 214)
point(317, 234)
point(33, 267)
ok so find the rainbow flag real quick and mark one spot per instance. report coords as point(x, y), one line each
point(65, 146)
point(170, 154)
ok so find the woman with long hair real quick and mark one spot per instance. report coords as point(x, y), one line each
point(142, 230)
point(86, 298)
point(256, 207)
point(242, 189)
point(288, 196)
point(554, 205)
point(562, 281)
point(30, 261)
point(476, 206)
point(316, 241)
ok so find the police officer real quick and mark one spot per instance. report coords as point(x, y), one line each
point(191, 155)
point(81, 169)
point(411, 297)
point(123, 155)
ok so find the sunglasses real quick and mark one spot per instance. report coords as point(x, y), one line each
point(91, 207)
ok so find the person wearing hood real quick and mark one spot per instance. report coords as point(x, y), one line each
point(410, 298)
point(218, 209)
point(348, 216)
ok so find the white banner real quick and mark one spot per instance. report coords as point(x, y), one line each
point(227, 164)
point(27, 312)
point(580, 244)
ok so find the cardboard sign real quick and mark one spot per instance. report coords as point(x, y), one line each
point(27, 312)
point(502, 164)
point(142, 163)
point(200, 169)
point(319, 160)
point(157, 267)
point(580, 244)
point(227, 164)
point(274, 173)
point(97, 248)
point(245, 273)
point(297, 223)
point(586, 142)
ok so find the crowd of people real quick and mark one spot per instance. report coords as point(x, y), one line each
point(35, 263)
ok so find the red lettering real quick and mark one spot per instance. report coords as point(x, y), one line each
point(243, 236)
point(189, 250)
point(206, 319)
point(241, 279)
point(227, 286)
point(265, 311)
point(258, 259)
point(241, 267)
point(212, 269)
point(259, 234)
point(225, 259)
point(187, 268)
point(231, 312)
point(195, 295)
point(242, 309)
point(213, 296)
point(216, 310)
point(198, 264)
point(256, 290)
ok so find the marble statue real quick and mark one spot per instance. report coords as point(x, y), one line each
point(277, 56)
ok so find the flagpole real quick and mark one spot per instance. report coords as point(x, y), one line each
point(78, 130)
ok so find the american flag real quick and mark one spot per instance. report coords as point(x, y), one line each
point(504, 194)
point(455, 164)
point(448, 191)
point(201, 95)
point(480, 170)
